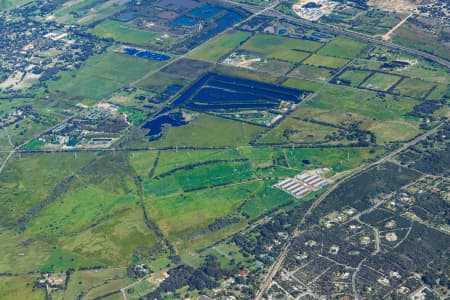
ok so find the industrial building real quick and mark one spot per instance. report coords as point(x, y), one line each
point(304, 183)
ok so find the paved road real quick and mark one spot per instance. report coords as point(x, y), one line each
point(281, 257)
point(272, 12)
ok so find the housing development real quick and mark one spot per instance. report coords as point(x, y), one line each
point(224, 149)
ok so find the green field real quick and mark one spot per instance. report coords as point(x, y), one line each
point(272, 46)
point(20, 287)
point(326, 61)
point(354, 77)
point(25, 189)
point(312, 72)
point(380, 81)
point(342, 47)
point(120, 32)
point(205, 130)
point(366, 104)
point(441, 91)
point(87, 282)
point(101, 75)
point(297, 131)
point(303, 84)
point(220, 46)
point(413, 87)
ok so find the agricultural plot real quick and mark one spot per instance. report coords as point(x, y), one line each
point(220, 46)
point(206, 130)
point(312, 72)
point(282, 48)
point(325, 61)
point(439, 92)
point(363, 103)
point(413, 87)
point(20, 287)
point(380, 81)
point(101, 75)
point(28, 189)
point(297, 131)
point(184, 218)
point(342, 47)
point(120, 32)
point(86, 12)
point(353, 77)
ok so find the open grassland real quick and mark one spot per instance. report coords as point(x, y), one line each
point(399, 130)
point(354, 77)
point(342, 47)
point(439, 92)
point(413, 87)
point(115, 239)
point(326, 61)
point(265, 198)
point(206, 130)
point(204, 176)
point(120, 32)
point(20, 287)
point(184, 218)
point(380, 81)
point(24, 189)
point(366, 104)
point(218, 47)
point(246, 73)
point(101, 75)
point(159, 81)
point(297, 131)
point(94, 219)
point(86, 12)
point(272, 46)
point(312, 72)
point(385, 116)
point(87, 282)
point(21, 253)
point(303, 84)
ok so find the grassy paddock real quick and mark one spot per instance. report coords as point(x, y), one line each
point(273, 46)
point(120, 32)
point(342, 47)
point(219, 46)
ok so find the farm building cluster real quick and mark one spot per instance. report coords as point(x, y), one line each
point(305, 183)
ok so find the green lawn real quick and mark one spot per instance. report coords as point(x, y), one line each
point(219, 46)
point(120, 32)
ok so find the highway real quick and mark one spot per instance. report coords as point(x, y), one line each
point(272, 12)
